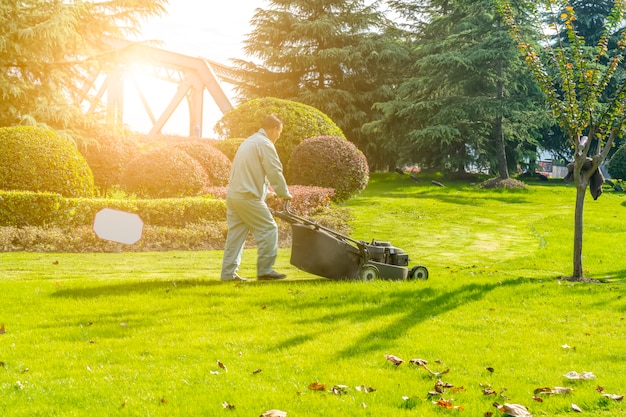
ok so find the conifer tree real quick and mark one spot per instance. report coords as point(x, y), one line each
point(340, 56)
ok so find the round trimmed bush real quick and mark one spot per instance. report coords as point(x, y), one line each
point(107, 156)
point(300, 122)
point(163, 173)
point(40, 160)
point(617, 164)
point(215, 163)
point(228, 146)
point(330, 162)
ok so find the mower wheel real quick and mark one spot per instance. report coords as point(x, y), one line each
point(368, 272)
point(418, 272)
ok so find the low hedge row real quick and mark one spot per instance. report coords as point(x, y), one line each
point(25, 208)
point(20, 209)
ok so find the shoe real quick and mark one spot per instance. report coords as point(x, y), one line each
point(235, 278)
point(271, 276)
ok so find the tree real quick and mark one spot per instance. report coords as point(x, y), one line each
point(468, 94)
point(43, 47)
point(574, 83)
point(339, 56)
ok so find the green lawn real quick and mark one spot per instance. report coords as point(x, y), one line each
point(141, 334)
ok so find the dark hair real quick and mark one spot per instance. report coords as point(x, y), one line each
point(271, 122)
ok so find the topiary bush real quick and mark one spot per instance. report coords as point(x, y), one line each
point(107, 156)
point(228, 146)
point(617, 164)
point(162, 173)
point(331, 162)
point(300, 122)
point(40, 160)
point(215, 163)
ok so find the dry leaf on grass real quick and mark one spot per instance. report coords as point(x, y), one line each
point(317, 386)
point(555, 390)
point(423, 363)
point(394, 359)
point(614, 397)
point(448, 405)
point(576, 375)
point(274, 413)
point(576, 408)
point(339, 389)
point(515, 410)
point(221, 365)
point(227, 405)
point(363, 388)
point(2, 330)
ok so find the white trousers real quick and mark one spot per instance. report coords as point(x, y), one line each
point(245, 216)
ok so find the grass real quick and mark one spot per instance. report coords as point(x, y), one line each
point(141, 334)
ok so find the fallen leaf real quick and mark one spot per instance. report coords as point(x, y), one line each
point(221, 365)
point(274, 413)
point(227, 406)
point(614, 397)
point(423, 363)
point(163, 400)
point(538, 399)
point(576, 408)
point(566, 346)
point(394, 359)
point(256, 371)
point(576, 375)
point(339, 389)
point(555, 390)
point(599, 388)
point(448, 405)
point(515, 410)
point(2, 330)
point(316, 386)
point(3, 365)
point(214, 372)
point(363, 388)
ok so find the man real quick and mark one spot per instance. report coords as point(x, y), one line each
point(255, 166)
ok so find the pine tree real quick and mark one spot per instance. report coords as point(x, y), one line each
point(469, 94)
point(340, 56)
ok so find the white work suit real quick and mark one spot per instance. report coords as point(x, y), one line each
point(255, 166)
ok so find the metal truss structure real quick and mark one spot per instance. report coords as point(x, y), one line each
point(103, 86)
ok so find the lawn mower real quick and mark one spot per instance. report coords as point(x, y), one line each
point(327, 253)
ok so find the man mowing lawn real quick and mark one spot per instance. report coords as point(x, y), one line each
point(255, 166)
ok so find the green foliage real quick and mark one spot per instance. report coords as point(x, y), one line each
point(300, 122)
point(338, 56)
point(164, 172)
point(228, 146)
point(331, 162)
point(38, 159)
point(617, 164)
point(215, 163)
point(43, 51)
point(107, 156)
point(25, 208)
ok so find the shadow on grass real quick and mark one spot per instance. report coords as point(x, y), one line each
point(146, 286)
point(412, 308)
point(463, 200)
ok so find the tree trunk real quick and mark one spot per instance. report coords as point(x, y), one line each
point(581, 180)
point(581, 188)
point(503, 169)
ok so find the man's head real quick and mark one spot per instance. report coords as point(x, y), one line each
point(273, 126)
